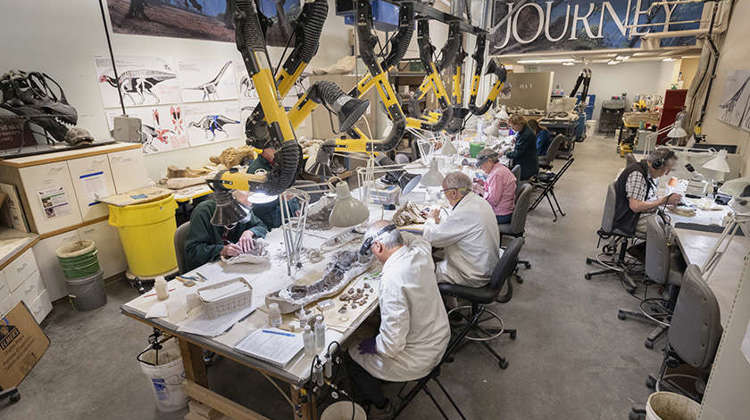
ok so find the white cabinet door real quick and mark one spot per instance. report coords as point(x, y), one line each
point(41, 307)
point(7, 303)
point(111, 256)
point(49, 267)
point(4, 289)
point(128, 170)
point(92, 180)
point(31, 288)
point(49, 191)
point(20, 269)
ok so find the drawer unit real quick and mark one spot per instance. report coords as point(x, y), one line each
point(50, 197)
point(7, 303)
point(30, 289)
point(19, 270)
point(4, 289)
point(128, 170)
point(41, 307)
point(92, 180)
point(111, 256)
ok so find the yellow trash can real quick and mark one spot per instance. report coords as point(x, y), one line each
point(147, 235)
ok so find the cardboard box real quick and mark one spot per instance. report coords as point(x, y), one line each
point(22, 344)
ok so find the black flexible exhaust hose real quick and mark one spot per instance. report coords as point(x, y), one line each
point(248, 34)
point(307, 32)
point(450, 50)
point(425, 55)
point(400, 41)
point(284, 170)
point(501, 74)
point(329, 92)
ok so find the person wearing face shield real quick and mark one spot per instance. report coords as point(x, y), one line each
point(414, 330)
point(206, 242)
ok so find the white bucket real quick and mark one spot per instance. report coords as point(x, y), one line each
point(342, 410)
point(671, 406)
point(166, 378)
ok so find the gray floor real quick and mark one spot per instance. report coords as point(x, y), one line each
point(573, 358)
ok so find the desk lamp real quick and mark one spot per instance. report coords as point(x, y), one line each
point(228, 210)
point(433, 177)
point(502, 114)
point(448, 148)
point(347, 210)
point(739, 189)
point(719, 164)
point(677, 131)
point(396, 175)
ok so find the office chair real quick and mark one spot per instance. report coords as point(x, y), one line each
point(517, 226)
point(480, 297)
point(180, 237)
point(617, 244)
point(545, 162)
point(693, 339)
point(516, 171)
point(665, 266)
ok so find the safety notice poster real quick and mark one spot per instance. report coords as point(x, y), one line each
point(54, 202)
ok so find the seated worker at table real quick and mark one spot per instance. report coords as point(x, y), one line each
point(469, 235)
point(524, 151)
point(269, 213)
point(206, 242)
point(500, 188)
point(414, 330)
point(543, 137)
point(635, 191)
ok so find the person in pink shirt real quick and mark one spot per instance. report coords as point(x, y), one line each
point(500, 188)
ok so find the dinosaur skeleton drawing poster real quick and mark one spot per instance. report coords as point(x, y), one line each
point(207, 123)
point(734, 108)
point(143, 81)
point(207, 80)
point(163, 128)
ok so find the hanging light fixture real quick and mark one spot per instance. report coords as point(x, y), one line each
point(433, 177)
point(718, 163)
point(347, 210)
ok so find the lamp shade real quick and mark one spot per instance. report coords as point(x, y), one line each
point(677, 131)
point(718, 163)
point(448, 148)
point(228, 211)
point(347, 210)
point(433, 177)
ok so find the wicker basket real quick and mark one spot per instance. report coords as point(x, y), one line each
point(227, 304)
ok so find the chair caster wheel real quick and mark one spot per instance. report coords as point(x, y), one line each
point(651, 382)
point(503, 364)
point(527, 265)
point(450, 359)
point(15, 397)
point(621, 315)
point(513, 335)
point(587, 276)
point(519, 279)
point(649, 344)
point(635, 416)
point(589, 261)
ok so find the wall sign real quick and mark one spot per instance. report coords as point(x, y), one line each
point(574, 25)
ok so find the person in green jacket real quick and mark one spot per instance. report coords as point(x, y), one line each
point(269, 213)
point(206, 242)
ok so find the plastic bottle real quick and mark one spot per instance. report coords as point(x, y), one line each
point(160, 285)
point(320, 333)
point(274, 315)
point(308, 338)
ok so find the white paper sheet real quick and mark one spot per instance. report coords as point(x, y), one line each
point(201, 324)
point(271, 345)
point(54, 202)
point(94, 186)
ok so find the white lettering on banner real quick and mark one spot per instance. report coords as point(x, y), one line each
point(507, 26)
point(540, 15)
point(564, 26)
point(607, 6)
point(584, 20)
point(636, 18)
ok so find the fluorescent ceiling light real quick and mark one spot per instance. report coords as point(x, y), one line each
point(667, 60)
point(546, 61)
point(622, 57)
point(613, 63)
point(568, 63)
point(643, 54)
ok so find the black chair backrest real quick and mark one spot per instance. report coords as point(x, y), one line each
point(658, 257)
point(695, 329)
point(553, 149)
point(180, 237)
point(507, 264)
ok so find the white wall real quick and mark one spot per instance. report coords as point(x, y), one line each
point(735, 55)
point(62, 38)
point(639, 78)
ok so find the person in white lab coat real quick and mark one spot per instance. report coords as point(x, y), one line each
point(468, 236)
point(414, 330)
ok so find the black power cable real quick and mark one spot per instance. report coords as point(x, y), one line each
point(112, 57)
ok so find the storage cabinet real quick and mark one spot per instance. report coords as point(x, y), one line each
point(50, 197)
point(19, 270)
point(49, 267)
point(128, 170)
point(20, 281)
point(92, 180)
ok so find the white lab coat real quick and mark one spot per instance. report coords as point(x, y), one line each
point(471, 241)
point(414, 330)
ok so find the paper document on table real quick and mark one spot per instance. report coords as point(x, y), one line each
point(271, 345)
point(201, 324)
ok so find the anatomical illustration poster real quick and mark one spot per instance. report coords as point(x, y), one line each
point(217, 121)
point(163, 128)
point(207, 80)
point(734, 108)
point(143, 81)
